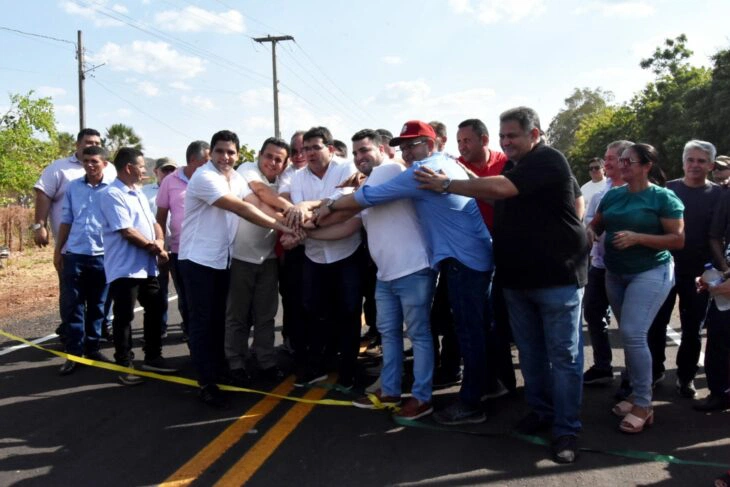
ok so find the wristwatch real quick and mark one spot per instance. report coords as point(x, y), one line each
point(330, 203)
point(445, 184)
point(36, 226)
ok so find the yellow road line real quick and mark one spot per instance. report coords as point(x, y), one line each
point(189, 472)
point(249, 463)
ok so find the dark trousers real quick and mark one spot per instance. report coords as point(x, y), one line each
point(125, 293)
point(499, 338)
point(333, 308)
point(692, 309)
point(291, 285)
point(206, 290)
point(446, 350)
point(370, 271)
point(717, 351)
point(597, 314)
point(182, 305)
point(82, 302)
point(164, 278)
point(468, 294)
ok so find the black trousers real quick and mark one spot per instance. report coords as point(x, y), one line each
point(126, 292)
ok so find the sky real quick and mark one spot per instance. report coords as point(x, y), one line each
point(178, 71)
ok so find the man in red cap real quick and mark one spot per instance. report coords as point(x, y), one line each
point(460, 247)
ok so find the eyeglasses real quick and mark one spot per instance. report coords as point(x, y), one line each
point(594, 168)
point(411, 145)
point(312, 148)
point(626, 161)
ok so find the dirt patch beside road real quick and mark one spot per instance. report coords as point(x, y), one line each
point(29, 294)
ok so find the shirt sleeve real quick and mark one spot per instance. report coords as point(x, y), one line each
point(163, 195)
point(672, 206)
point(48, 182)
point(297, 195)
point(249, 173)
point(115, 210)
point(720, 218)
point(209, 188)
point(403, 185)
point(67, 215)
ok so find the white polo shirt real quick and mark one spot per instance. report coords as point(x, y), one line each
point(395, 238)
point(306, 186)
point(55, 178)
point(253, 243)
point(208, 231)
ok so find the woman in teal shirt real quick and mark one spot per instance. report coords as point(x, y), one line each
point(642, 221)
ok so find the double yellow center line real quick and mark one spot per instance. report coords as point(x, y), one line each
point(252, 460)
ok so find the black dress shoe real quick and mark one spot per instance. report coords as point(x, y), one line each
point(713, 403)
point(213, 397)
point(68, 367)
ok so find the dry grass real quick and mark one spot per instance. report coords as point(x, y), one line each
point(28, 284)
point(14, 225)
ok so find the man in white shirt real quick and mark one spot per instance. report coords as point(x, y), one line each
point(253, 293)
point(213, 203)
point(597, 182)
point(332, 269)
point(405, 281)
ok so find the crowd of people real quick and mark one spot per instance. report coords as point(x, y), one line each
point(463, 255)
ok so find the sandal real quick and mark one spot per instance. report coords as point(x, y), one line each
point(634, 424)
point(723, 480)
point(623, 408)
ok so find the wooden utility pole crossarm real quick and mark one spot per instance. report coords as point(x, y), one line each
point(273, 40)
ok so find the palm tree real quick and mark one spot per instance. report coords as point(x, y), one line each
point(66, 144)
point(118, 136)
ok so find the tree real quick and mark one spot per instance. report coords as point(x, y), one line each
point(66, 144)
point(27, 144)
point(118, 136)
point(579, 105)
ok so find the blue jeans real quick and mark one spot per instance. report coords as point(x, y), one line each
point(546, 326)
point(82, 301)
point(406, 299)
point(635, 300)
point(469, 295)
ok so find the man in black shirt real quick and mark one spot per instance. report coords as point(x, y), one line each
point(700, 198)
point(542, 254)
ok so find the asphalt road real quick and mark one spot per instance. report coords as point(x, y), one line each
point(87, 429)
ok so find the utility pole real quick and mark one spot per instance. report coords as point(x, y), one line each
point(82, 77)
point(273, 41)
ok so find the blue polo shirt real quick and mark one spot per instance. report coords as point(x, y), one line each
point(81, 209)
point(452, 224)
point(123, 207)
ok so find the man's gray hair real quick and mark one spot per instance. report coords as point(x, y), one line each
point(706, 147)
point(620, 146)
point(526, 117)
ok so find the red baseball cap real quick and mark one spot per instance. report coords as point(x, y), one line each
point(412, 129)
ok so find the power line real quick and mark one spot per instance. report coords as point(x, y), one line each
point(142, 111)
point(37, 35)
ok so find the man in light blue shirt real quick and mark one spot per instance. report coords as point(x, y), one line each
point(460, 246)
point(81, 264)
point(133, 244)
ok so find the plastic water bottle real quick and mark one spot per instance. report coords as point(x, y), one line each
point(714, 278)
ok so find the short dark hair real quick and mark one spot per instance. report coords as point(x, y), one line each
point(94, 150)
point(125, 156)
point(526, 117)
point(385, 135)
point(371, 134)
point(196, 149)
point(281, 143)
point(595, 159)
point(339, 145)
point(439, 128)
point(319, 132)
point(225, 136)
point(87, 132)
point(476, 125)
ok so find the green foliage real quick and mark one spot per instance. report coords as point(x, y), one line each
point(579, 105)
point(119, 135)
point(246, 154)
point(683, 102)
point(27, 144)
point(66, 144)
